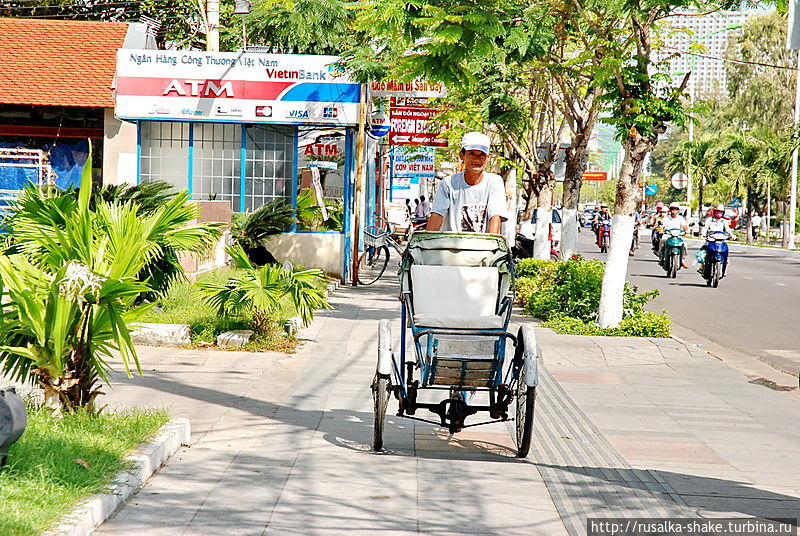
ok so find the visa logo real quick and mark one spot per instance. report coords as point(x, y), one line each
point(297, 113)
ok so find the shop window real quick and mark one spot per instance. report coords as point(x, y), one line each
point(269, 164)
point(165, 152)
point(216, 162)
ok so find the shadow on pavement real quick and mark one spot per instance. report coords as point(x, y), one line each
point(704, 494)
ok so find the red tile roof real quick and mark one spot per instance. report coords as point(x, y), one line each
point(58, 62)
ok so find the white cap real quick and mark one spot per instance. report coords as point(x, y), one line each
point(475, 141)
point(674, 204)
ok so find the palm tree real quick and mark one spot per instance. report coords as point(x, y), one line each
point(71, 282)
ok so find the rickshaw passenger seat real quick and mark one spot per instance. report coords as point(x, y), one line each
point(456, 296)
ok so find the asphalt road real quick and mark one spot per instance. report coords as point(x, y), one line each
point(755, 309)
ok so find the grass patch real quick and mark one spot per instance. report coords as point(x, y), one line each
point(42, 480)
point(184, 304)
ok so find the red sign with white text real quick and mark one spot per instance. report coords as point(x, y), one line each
point(595, 176)
point(411, 124)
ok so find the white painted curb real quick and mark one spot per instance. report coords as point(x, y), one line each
point(89, 515)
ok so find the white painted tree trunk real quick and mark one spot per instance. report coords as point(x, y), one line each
point(611, 299)
point(541, 244)
point(569, 233)
point(510, 225)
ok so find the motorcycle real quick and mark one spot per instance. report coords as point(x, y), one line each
point(604, 235)
point(670, 259)
point(523, 248)
point(714, 262)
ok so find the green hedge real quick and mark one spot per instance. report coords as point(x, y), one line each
point(566, 295)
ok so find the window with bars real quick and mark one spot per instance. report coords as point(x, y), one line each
point(214, 154)
point(269, 164)
point(216, 162)
point(165, 152)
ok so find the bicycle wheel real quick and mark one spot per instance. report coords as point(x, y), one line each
point(380, 397)
point(372, 263)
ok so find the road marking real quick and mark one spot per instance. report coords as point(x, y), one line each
point(745, 277)
point(781, 284)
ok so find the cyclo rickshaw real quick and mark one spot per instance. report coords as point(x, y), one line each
point(456, 293)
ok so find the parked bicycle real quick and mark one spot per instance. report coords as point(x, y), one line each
point(375, 258)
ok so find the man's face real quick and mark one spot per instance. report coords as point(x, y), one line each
point(718, 214)
point(673, 212)
point(474, 161)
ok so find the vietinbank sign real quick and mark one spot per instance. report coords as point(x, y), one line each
point(228, 86)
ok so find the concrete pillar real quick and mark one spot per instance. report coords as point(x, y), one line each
point(119, 150)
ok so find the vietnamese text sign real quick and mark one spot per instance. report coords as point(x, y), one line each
point(595, 176)
point(415, 88)
point(416, 163)
point(227, 86)
point(411, 124)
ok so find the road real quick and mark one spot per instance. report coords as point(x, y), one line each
point(755, 309)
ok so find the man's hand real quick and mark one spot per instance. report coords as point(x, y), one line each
point(434, 222)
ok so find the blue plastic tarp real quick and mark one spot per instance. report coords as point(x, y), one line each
point(66, 159)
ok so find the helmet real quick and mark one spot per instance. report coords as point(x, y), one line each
point(603, 205)
point(720, 207)
point(659, 204)
point(674, 204)
point(718, 211)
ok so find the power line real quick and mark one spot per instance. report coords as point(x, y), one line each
point(731, 60)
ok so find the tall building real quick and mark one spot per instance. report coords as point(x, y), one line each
point(687, 31)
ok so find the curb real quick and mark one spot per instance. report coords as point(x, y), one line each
point(89, 515)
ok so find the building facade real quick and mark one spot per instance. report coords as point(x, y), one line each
point(246, 128)
point(705, 34)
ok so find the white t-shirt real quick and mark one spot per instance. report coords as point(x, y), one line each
point(756, 220)
point(678, 222)
point(467, 207)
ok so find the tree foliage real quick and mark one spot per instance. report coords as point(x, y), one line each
point(761, 96)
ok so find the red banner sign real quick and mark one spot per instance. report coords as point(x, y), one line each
point(411, 124)
point(595, 176)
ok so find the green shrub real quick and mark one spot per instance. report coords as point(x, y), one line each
point(566, 295)
point(572, 288)
point(525, 287)
point(572, 326)
point(532, 267)
point(646, 324)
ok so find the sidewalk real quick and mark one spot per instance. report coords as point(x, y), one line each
point(281, 444)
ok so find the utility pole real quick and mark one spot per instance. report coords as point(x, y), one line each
point(793, 43)
point(360, 178)
point(212, 14)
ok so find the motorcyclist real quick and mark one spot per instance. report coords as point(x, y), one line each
point(635, 241)
point(717, 223)
point(602, 216)
point(673, 220)
point(656, 224)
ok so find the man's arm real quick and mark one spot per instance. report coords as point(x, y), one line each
point(494, 225)
point(435, 222)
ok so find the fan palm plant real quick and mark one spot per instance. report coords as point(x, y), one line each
point(49, 205)
point(72, 282)
point(259, 290)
